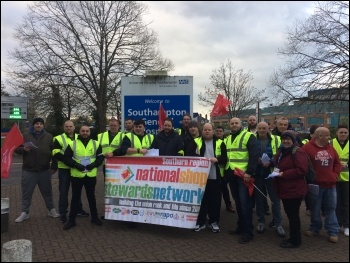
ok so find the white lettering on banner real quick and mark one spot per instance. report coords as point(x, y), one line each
point(149, 112)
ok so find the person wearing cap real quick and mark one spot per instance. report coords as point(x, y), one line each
point(194, 133)
point(326, 163)
point(290, 184)
point(168, 141)
point(36, 168)
point(242, 153)
point(59, 146)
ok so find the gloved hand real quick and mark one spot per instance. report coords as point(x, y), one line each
point(90, 166)
point(80, 167)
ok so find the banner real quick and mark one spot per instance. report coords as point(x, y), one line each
point(220, 106)
point(161, 116)
point(13, 139)
point(162, 190)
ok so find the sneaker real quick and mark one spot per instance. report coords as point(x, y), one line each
point(69, 225)
point(53, 213)
point(198, 228)
point(309, 233)
point(280, 231)
point(214, 227)
point(83, 213)
point(261, 228)
point(333, 239)
point(96, 221)
point(22, 217)
point(346, 231)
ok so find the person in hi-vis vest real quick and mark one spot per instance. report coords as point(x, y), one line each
point(341, 145)
point(242, 153)
point(83, 155)
point(59, 146)
point(111, 140)
point(137, 142)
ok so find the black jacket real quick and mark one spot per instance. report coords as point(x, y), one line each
point(168, 144)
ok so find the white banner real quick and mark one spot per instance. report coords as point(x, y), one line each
point(163, 190)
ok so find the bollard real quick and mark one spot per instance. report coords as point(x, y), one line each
point(5, 204)
point(19, 250)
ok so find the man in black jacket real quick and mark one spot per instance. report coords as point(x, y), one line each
point(168, 141)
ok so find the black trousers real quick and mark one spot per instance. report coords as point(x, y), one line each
point(211, 203)
point(77, 185)
point(292, 207)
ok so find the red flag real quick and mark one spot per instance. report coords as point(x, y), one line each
point(13, 139)
point(238, 172)
point(161, 116)
point(220, 106)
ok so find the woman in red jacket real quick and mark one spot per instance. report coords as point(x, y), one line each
point(290, 184)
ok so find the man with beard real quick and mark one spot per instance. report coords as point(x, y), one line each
point(168, 141)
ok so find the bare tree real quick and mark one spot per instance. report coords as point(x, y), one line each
point(316, 56)
point(235, 85)
point(93, 44)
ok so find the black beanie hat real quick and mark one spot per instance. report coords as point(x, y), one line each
point(38, 120)
point(291, 134)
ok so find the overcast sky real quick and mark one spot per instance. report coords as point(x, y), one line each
point(199, 36)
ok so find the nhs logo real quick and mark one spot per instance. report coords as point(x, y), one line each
point(183, 81)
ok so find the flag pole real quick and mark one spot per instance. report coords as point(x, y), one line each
point(262, 193)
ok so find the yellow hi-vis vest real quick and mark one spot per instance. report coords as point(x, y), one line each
point(217, 150)
point(344, 158)
point(275, 143)
point(63, 140)
point(237, 152)
point(81, 152)
point(305, 141)
point(147, 140)
point(103, 139)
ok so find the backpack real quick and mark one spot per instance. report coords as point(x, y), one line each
point(310, 176)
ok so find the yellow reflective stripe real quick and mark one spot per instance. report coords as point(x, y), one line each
point(237, 150)
point(238, 160)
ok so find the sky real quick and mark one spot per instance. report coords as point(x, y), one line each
point(199, 36)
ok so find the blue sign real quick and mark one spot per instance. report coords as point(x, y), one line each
point(147, 107)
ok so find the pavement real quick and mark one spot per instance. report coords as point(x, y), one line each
point(118, 241)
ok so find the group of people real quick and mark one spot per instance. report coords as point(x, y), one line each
point(244, 157)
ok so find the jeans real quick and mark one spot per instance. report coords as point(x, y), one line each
point(327, 198)
point(244, 205)
point(261, 183)
point(63, 188)
point(343, 204)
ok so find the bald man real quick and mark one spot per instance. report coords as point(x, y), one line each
point(242, 153)
point(215, 150)
point(59, 146)
point(326, 162)
point(267, 144)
